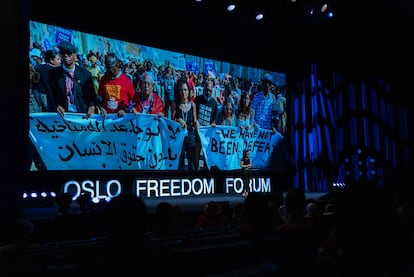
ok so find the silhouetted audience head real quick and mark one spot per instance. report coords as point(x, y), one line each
point(299, 238)
point(167, 221)
point(126, 217)
point(212, 209)
point(312, 211)
point(126, 221)
point(256, 219)
point(85, 202)
point(295, 204)
point(164, 211)
point(212, 217)
point(329, 209)
point(23, 232)
point(64, 202)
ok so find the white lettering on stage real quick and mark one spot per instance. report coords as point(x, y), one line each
point(110, 189)
point(174, 187)
point(167, 187)
point(254, 185)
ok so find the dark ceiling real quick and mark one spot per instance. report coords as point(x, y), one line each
point(371, 33)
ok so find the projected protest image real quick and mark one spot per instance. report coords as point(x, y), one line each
point(236, 108)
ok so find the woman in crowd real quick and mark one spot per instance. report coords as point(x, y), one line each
point(186, 115)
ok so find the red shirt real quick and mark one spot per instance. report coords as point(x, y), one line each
point(117, 94)
point(154, 105)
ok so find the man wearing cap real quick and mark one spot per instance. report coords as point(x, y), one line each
point(72, 85)
point(264, 105)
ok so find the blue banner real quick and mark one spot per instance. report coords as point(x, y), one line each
point(140, 142)
point(223, 146)
point(144, 142)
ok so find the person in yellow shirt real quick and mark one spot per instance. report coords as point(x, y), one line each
point(96, 72)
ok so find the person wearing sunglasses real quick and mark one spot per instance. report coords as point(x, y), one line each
point(71, 85)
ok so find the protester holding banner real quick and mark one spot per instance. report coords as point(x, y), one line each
point(71, 85)
point(186, 115)
point(41, 99)
point(115, 87)
point(146, 101)
point(207, 112)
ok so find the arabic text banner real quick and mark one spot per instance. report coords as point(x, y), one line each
point(144, 142)
point(140, 142)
